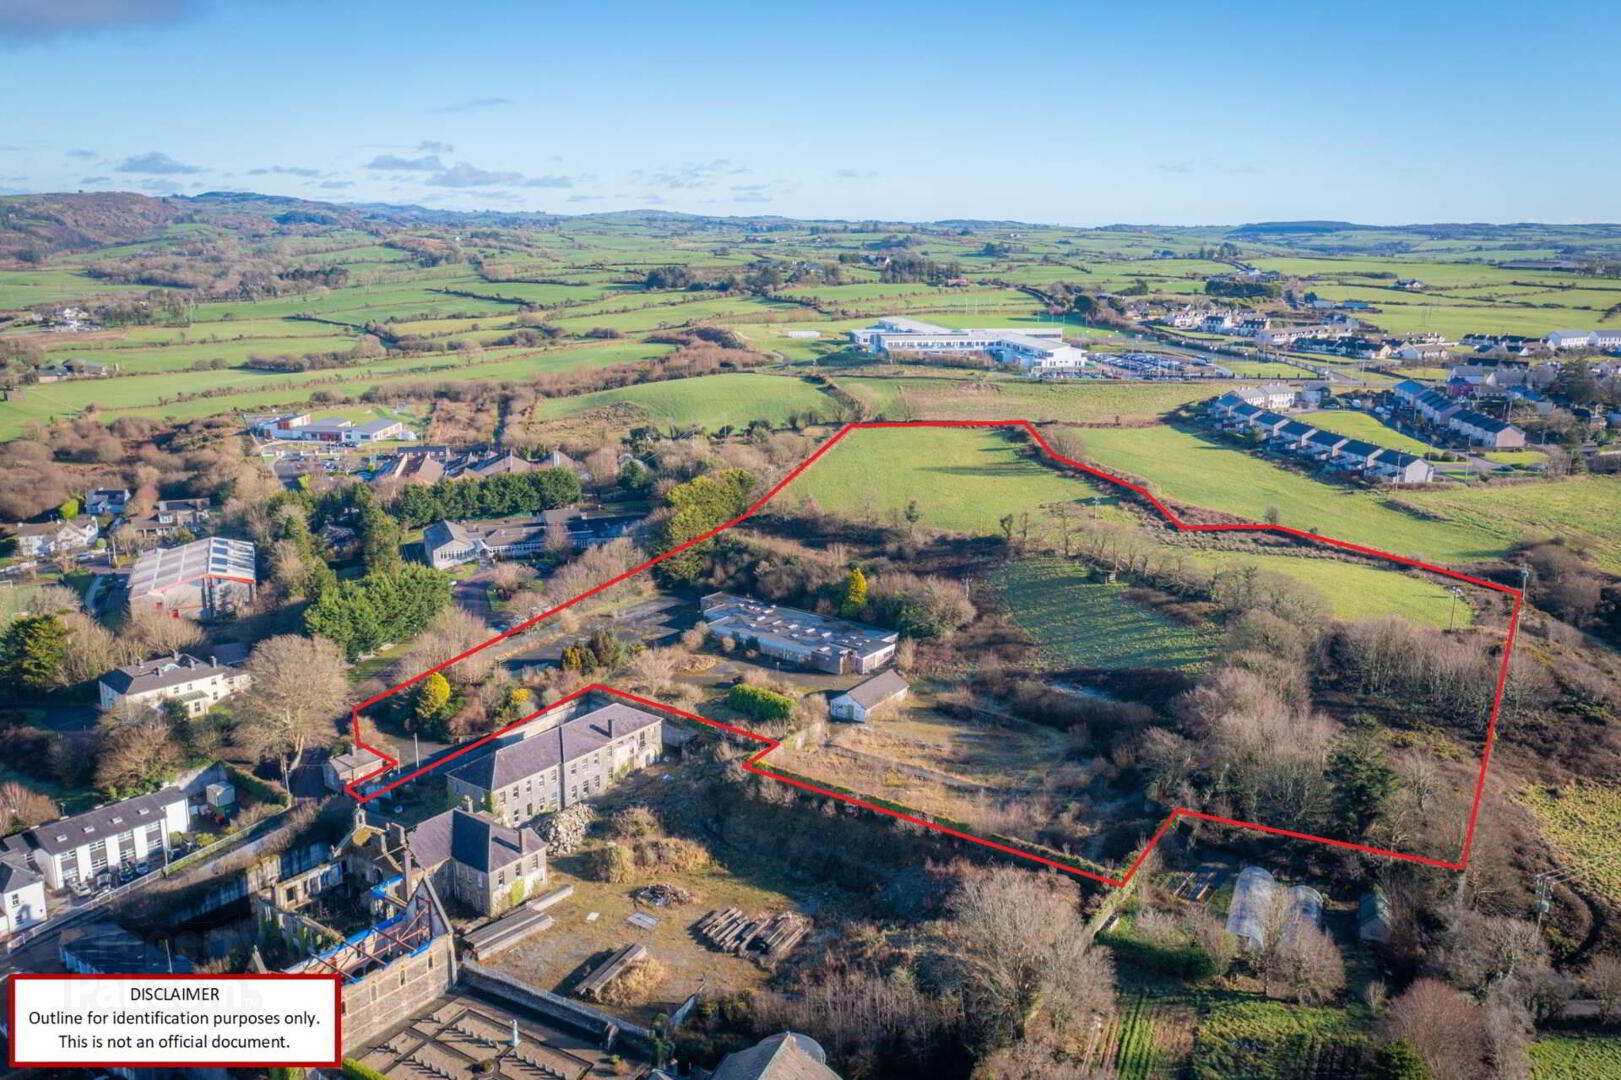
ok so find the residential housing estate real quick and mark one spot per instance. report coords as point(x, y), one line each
point(202, 580)
point(1300, 439)
point(798, 637)
point(545, 768)
point(1036, 350)
point(1448, 415)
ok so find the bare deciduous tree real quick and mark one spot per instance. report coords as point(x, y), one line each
point(22, 808)
point(1445, 1026)
point(299, 688)
point(160, 632)
point(1026, 951)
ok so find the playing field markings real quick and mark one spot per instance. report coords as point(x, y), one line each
point(753, 763)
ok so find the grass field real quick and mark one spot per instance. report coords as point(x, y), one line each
point(1574, 1057)
point(1584, 510)
point(1009, 398)
point(1079, 623)
point(1583, 822)
point(1360, 425)
point(1193, 468)
point(962, 480)
point(708, 401)
point(1356, 591)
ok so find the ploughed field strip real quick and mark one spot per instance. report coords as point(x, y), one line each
point(1007, 845)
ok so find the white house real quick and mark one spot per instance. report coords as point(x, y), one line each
point(76, 848)
point(1572, 339)
point(1402, 468)
point(22, 894)
point(56, 537)
point(1270, 396)
point(1486, 431)
point(863, 699)
point(197, 685)
point(106, 500)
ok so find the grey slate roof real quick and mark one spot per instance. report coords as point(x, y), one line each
point(554, 747)
point(1326, 439)
point(472, 840)
point(1358, 448)
point(1296, 430)
point(55, 837)
point(876, 690)
point(16, 875)
point(788, 1056)
point(165, 671)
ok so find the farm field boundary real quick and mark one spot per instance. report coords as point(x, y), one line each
point(753, 763)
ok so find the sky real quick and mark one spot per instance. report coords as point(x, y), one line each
point(1070, 112)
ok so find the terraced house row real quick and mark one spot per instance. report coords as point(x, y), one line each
point(1300, 439)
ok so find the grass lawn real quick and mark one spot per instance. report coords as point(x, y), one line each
point(1080, 623)
point(962, 480)
point(1576, 1057)
point(1360, 425)
point(1193, 468)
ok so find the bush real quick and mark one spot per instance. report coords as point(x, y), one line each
point(633, 823)
point(670, 853)
point(612, 863)
point(760, 704)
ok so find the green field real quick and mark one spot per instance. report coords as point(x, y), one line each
point(708, 401)
point(1195, 469)
point(1356, 591)
point(962, 480)
point(1080, 623)
point(1584, 510)
point(1013, 398)
point(153, 395)
point(1359, 425)
point(1576, 1057)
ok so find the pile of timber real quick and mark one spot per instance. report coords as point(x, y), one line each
point(764, 938)
point(616, 966)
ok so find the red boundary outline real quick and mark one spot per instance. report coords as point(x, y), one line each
point(753, 763)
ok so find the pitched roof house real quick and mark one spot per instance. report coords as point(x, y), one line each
point(861, 700)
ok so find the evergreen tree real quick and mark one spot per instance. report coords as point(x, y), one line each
point(35, 652)
point(699, 506)
point(1362, 781)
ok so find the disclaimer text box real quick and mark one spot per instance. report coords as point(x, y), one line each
point(182, 1021)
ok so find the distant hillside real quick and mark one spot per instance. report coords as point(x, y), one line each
point(34, 226)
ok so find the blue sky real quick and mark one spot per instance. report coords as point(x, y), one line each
point(1071, 112)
